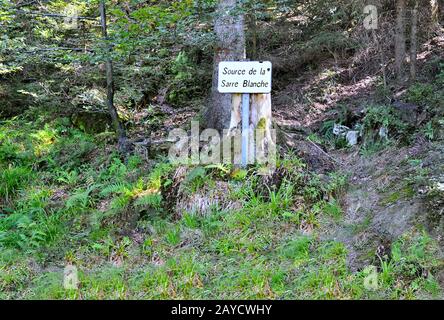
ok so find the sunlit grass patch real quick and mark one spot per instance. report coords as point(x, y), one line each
point(43, 140)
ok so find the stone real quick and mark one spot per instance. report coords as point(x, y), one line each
point(383, 133)
point(340, 130)
point(352, 137)
point(92, 121)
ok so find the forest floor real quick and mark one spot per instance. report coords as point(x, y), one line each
point(332, 222)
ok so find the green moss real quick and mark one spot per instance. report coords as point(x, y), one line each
point(405, 193)
point(360, 227)
point(261, 124)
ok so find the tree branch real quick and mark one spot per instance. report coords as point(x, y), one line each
point(53, 15)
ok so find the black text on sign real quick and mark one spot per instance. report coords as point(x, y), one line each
point(244, 77)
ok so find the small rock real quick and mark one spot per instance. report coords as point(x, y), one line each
point(383, 133)
point(352, 137)
point(340, 130)
point(92, 121)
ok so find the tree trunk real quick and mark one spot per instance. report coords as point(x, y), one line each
point(253, 28)
point(440, 14)
point(435, 10)
point(262, 136)
point(413, 41)
point(230, 46)
point(120, 130)
point(400, 39)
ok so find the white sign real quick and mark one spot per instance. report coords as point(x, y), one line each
point(244, 77)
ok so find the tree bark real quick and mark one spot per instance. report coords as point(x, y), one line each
point(230, 46)
point(413, 41)
point(400, 39)
point(120, 130)
point(253, 28)
point(440, 14)
point(434, 10)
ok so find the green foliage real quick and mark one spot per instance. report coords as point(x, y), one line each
point(71, 151)
point(30, 226)
point(12, 179)
point(337, 141)
point(327, 129)
point(195, 179)
point(190, 220)
point(298, 249)
point(329, 41)
point(413, 256)
point(151, 200)
point(429, 131)
point(9, 152)
point(420, 93)
point(440, 75)
point(68, 177)
point(66, 196)
point(80, 199)
point(173, 236)
point(187, 82)
point(158, 178)
point(333, 209)
point(281, 200)
point(377, 117)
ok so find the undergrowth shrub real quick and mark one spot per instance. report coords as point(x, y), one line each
point(12, 179)
point(32, 224)
point(421, 94)
point(379, 118)
point(70, 152)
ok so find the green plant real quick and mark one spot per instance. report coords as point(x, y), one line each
point(29, 228)
point(387, 272)
point(297, 249)
point(332, 208)
point(440, 75)
point(173, 236)
point(190, 220)
point(153, 200)
point(80, 200)
point(377, 116)
point(281, 199)
point(429, 131)
point(313, 189)
point(158, 177)
point(9, 152)
point(195, 179)
point(12, 179)
point(336, 184)
point(420, 93)
point(370, 148)
point(375, 119)
point(239, 174)
point(147, 247)
point(121, 248)
point(68, 177)
point(222, 169)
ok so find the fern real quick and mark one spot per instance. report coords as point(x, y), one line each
point(80, 199)
point(116, 188)
point(121, 201)
point(153, 200)
point(159, 172)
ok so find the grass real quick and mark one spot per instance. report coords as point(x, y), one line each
point(72, 208)
point(406, 192)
